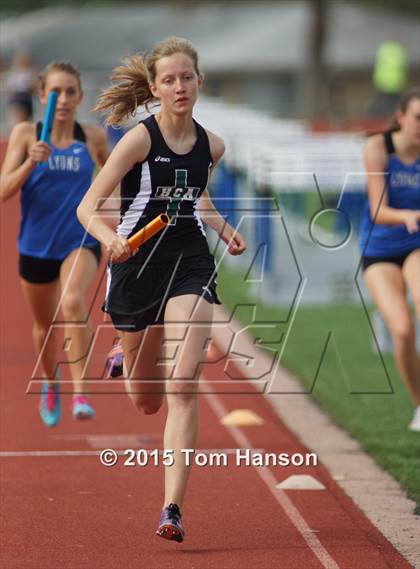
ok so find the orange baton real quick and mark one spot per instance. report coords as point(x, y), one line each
point(137, 240)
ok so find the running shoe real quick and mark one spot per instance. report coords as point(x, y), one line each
point(50, 405)
point(170, 524)
point(415, 422)
point(82, 408)
point(115, 359)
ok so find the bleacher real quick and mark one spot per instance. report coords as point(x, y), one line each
point(276, 177)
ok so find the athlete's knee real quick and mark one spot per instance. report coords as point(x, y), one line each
point(403, 332)
point(147, 405)
point(151, 408)
point(40, 330)
point(182, 396)
point(72, 306)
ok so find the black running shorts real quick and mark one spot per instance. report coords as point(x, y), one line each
point(137, 294)
point(42, 271)
point(395, 260)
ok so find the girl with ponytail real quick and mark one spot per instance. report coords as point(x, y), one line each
point(390, 235)
point(56, 258)
point(166, 290)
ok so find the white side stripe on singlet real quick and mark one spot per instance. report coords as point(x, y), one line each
point(197, 201)
point(108, 285)
point(138, 205)
point(197, 216)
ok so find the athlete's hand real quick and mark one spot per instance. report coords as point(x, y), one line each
point(411, 219)
point(39, 152)
point(119, 250)
point(235, 241)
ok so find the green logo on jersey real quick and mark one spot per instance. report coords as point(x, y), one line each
point(175, 202)
point(176, 193)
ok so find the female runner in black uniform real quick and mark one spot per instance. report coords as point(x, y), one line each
point(166, 290)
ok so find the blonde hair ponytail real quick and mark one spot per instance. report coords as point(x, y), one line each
point(131, 87)
point(129, 90)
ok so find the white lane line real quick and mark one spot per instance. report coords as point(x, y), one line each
point(60, 453)
point(42, 453)
point(280, 495)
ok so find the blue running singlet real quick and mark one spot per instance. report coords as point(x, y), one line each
point(49, 227)
point(403, 189)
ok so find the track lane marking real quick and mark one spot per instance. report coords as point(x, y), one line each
point(280, 495)
point(120, 452)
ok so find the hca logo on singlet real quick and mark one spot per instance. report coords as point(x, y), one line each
point(176, 193)
point(64, 163)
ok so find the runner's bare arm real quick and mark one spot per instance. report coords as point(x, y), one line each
point(97, 142)
point(132, 148)
point(99, 149)
point(22, 155)
point(209, 213)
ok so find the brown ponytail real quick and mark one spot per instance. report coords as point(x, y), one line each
point(413, 93)
point(131, 87)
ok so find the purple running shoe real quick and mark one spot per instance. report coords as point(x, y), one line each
point(170, 524)
point(115, 359)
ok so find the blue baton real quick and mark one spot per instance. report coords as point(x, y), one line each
point(49, 117)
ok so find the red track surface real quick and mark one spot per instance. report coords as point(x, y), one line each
point(70, 512)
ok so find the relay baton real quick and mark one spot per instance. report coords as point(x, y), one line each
point(136, 240)
point(49, 117)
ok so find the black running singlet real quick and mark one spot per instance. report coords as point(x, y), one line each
point(170, 183)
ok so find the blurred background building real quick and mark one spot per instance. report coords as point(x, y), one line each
point(311, 59)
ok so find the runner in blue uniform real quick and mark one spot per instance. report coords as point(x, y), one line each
point(390, 243)
point(56, 257)
point(167, 289)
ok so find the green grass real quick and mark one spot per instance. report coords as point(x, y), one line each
point(362, 394)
